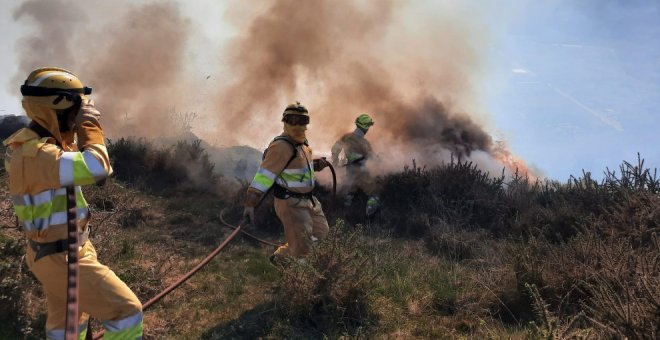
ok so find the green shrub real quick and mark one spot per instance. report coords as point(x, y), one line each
point(14, 317)
point(329, 292)
point(183, 166)
point(458, 193)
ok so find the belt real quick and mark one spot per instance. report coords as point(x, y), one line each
point(49, 248)
point(283, 193)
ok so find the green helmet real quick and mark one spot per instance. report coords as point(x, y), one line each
point(363, 121)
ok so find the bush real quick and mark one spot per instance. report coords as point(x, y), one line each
point(559, 211)
point(13, 280)
point(183, 166)
point(625, 293)
point(10, 124)
point(328, 293)
point(458, 193)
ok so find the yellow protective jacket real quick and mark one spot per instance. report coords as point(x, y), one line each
point(356, 148)
point(298, 176)
point(39, 172)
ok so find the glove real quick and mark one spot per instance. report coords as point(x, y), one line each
point(87, 125)
point(320, 164)
point(87, 112)
point(248, 214)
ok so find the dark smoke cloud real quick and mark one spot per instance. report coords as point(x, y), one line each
point(432, 123)
point(414, 74)
point(291, 40)
point(133, 56)
point(345, 58)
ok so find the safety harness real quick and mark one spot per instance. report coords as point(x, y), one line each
point(278, 190)
point(49, 248)
point(70, 244)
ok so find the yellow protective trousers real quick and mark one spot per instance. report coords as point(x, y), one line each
point(358, 177)
point(101, 294)
point(304, 222)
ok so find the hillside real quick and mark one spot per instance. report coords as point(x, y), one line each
point(454, 253)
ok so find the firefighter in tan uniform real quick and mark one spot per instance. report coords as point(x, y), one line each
point(64, 146)
point(357, 151)
point(288, 167)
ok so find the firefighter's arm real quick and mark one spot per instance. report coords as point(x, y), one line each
point(277, 156)
point(91, 141)
point(336, 149)
point(252, 198)
point(273, 164)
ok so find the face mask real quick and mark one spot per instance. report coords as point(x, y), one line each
point(63, 122)
point(297, 132)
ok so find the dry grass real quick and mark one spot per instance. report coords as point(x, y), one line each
point(480, 258)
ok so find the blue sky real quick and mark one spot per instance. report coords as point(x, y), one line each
point(570, 85)
point(576, 84)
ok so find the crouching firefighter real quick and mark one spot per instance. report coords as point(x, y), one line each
point(288, 167)
point(357, 151)
point(63, 146)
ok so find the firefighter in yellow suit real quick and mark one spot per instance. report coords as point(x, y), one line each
point(64, 146)
point(357, 151)
point(288, 167)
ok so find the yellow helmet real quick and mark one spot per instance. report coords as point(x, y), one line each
point(54, 87)
point(295, 114)
point(363, 121)
point(295, 109)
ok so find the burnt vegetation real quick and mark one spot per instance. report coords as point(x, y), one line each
point(454, 252)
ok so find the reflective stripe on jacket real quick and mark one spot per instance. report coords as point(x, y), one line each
point(39, 173)
point(38, 212)
point(298, 175)
point(355, 146)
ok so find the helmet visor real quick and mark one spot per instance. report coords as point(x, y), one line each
point(292, 119)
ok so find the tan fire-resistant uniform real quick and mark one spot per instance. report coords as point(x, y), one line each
point(299, 211)
point(39, 172)
point(357, 150)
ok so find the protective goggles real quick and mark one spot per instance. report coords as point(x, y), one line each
point(292, 119)
point(69, 94)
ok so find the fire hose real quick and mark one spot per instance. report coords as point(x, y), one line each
point(334, 185)
point(222, 212)
point(334, 198)
point(202, 263)
point(73, 277)
point(184, 278)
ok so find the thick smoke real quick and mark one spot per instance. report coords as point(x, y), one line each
point(132, 55)
point(412, 68)
point(341, 59)
point(51, 42)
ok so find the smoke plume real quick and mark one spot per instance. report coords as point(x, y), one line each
point(412, 68)
point(414, 76)
point(132, 55)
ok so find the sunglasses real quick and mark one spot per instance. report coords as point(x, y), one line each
point(296, 119)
